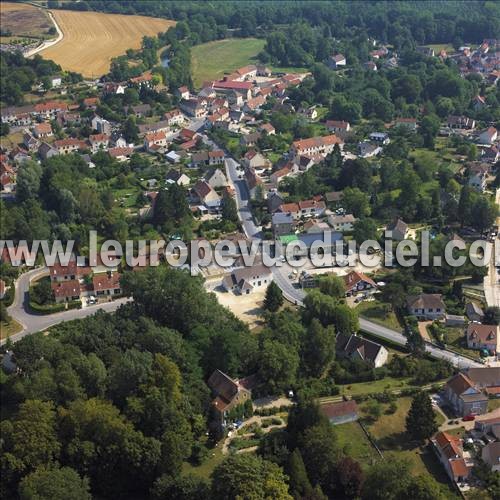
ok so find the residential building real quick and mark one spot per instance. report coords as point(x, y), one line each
point(334, 198)
point(197, 108)
point(207, 158)
point(478, 176)
point(368, 150)
point(464, 396)
point(30, 143)
point(148, 128)
point(226, 86)
point(488, 136)
point(250, 140)
point(338, 126)
point(313, 226)
point(427, 306)
point(102, 125)
point(481, 337)
point(490, 454)
point(106, 284)
point(70, 145)
point(121, 153)
point(282, 224)
point(398, 229)
point(215, 178)
point(277, 176)
point(407, 123)
point(155, 141)
point(98, 141)
point(207, 195)
point(340, 412)
point(274, 201)
point(449, 450)
point(486, 378)
point(267, 128)
point(478, 102)
point(380, 138)
point(255, 184)
point(474, 312)
point(182, 92)
point(245, 280)
point(179, 178)
point(46, 151)
point(174, 117)
point(145, 80)
point(356, 282)
point(228, 393)
point(316, 145)
point(342, 222)
point(461, 122)
point(311, 208)
point(43, 130)
point(355, 347)
point(254, 159)
point(290, 208)
point(336, 61)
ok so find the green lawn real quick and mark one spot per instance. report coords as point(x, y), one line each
point(353, 441)
point(10, 328)
point(376, 312)
point(205, 469)
point(387, 383)
point(390, 435)
point(211, 60)
point(455, 339)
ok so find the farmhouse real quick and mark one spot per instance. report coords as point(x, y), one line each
point(316, 145)
point(67, 146)
point(340, 412)
point(227, 393)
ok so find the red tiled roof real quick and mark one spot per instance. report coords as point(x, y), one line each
point(289, 207)
point(232, 85)
point(332, 410)
point(105, 281)
point(43, 128)
point(66, 289)
point(354, 277)
point(315, 142)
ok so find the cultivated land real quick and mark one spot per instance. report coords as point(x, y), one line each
point(24, 20)
point(92, 39)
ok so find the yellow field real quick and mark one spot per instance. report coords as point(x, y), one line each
point(8, 6)
point(92, 39)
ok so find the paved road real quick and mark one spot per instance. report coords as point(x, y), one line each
point(19, 310)
point(295, 295)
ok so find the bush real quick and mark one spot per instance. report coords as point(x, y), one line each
point(54, 308)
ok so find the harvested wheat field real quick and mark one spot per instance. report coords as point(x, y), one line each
point(92, 39)
point(24, 20)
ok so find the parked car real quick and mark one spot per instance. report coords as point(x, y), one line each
point(469, 418)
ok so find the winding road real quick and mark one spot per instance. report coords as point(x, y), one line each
point(48, 43)
point(296, 296)
point(31, 322)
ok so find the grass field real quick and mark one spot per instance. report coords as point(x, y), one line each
point(10, 328)
point(92, 39)
point(23, 20)
point(390, 434)
point(353, 442)
point(211, 60)
point(376, 312)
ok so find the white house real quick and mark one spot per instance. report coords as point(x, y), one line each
point(488, 136)
point(427, 305)
point(245, 280)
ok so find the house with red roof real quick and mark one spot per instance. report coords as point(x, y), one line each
point(355, 282)
point(155, 141)
point(316, 145)
point(449, 450)
point(340, 412)
point(483, 337)
point(465, 396)
point(42, 130)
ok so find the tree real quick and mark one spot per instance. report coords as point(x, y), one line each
point(229, 209)
point(4, 315)
point(333, 286)
point(130, 130)
point(187, 487)
point(351, 477)
point(274, 297)
point(365, 229)
point(492, 316)
point(278, 366)
point(248, 477)
point(28, 181)
point(300, 486)
point(429, 127)
point(319, 348)
point(421, 420)
point(54, 484)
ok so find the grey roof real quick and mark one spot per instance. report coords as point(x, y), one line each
point(282, 218)
point(349, 344)
point(472, 308)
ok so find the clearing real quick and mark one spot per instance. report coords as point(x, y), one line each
point(248, 308)
point(23, 20)
point(92, 39)
point(211, 60)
